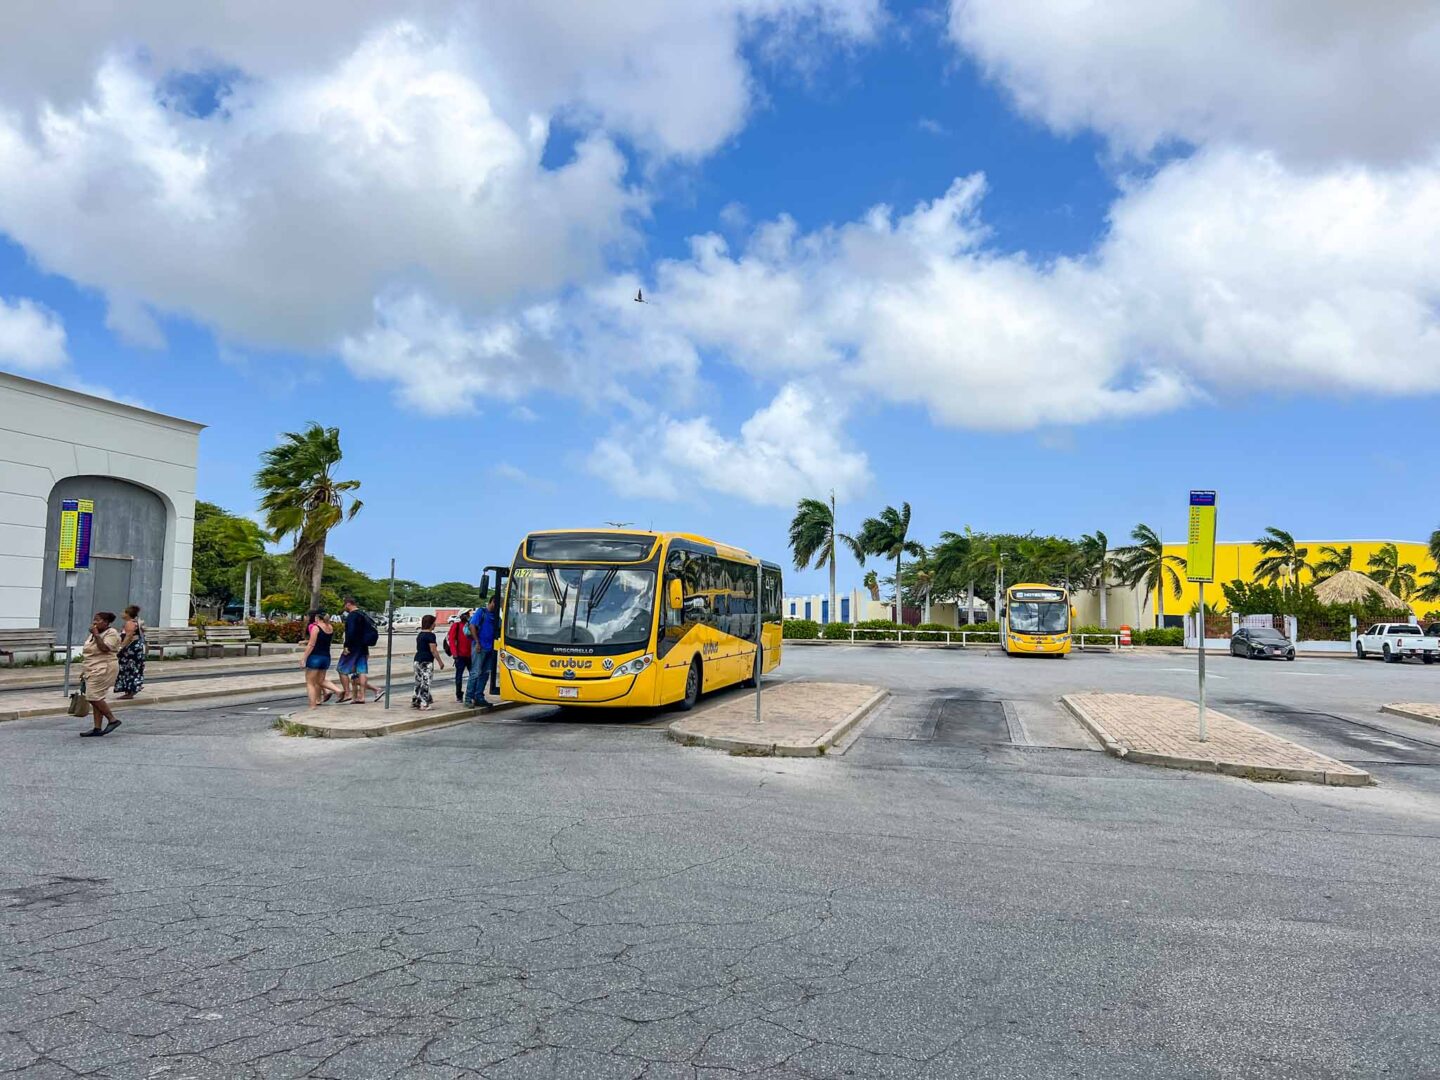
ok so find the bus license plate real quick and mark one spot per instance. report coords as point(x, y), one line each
point(568, 691)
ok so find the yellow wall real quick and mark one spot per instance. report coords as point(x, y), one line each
point(1234, 560)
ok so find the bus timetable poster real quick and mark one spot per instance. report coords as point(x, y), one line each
point(77, 522)
point(1200, 551)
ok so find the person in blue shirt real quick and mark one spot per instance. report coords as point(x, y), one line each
point(484, 635)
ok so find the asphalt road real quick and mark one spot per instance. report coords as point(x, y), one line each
point(966, 892)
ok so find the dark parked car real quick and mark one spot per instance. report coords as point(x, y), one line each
point(1254, 644)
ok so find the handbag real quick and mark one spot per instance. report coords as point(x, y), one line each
point(79, 705)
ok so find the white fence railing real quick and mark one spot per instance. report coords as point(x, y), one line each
point(966, 638)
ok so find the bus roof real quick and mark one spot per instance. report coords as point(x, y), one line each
point(727, 550)
point(1034, 585)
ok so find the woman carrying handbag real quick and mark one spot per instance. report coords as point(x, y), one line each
point(102, 665)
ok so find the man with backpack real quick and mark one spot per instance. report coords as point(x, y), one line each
point(457, 645)
point(354, 666)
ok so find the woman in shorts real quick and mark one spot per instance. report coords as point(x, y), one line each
point(318, 634)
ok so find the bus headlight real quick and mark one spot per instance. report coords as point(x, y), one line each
point(514, 663)
point(633, 667)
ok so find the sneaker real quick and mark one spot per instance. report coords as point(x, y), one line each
point(111, 726)
point(92, 733)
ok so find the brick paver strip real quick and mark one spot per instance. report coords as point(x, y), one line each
point(799, 719)
point(1427, 712)
point(1162, 731)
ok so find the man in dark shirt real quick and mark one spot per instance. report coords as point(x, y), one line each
point(354, 666)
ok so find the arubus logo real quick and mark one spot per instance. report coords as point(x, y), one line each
point(571, 663)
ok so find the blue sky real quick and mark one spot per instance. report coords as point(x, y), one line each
point(1165, 280)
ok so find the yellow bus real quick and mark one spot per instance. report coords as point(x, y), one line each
point(621, 618)
point(1036, 620)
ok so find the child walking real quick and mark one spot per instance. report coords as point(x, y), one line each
point(426, 656)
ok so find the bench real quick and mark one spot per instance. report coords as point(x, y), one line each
point(218, 638)
point(20, 645)
point(160, 640)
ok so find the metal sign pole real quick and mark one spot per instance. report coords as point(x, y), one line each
point(759, 637)
point(1202, 662)
point(389, 633)
point(71, 577)
point(1199, 568)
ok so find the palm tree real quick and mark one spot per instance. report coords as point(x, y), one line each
point(242, 541)
point(1281, 558)
point(812, 541)
point(1386, 568)
point(987, 560)
point(1334, 560)
point(872, 582)
point(1435, 547)
point(1093, 557)
point(1430, 591)
point(951, 561)
point(302, 499)
point(888, 535)
point(1145, 561)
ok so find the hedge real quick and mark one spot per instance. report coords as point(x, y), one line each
point(800, 629)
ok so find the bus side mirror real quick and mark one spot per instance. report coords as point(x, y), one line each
point(484, 587)
point(677, 594)
point(1073, 613)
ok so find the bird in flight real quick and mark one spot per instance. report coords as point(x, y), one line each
point(639, 296)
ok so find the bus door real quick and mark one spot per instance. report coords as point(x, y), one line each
point(499, 575)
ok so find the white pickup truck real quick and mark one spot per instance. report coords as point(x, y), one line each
point(1395, 641)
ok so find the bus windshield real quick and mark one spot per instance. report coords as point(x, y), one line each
point(580, 605)
point(1039, 618)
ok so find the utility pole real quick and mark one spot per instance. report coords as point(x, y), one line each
point(389, 633)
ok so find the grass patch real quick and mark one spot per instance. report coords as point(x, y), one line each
point(286, 726)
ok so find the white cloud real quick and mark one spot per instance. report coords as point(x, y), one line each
point(792, 447)
point(1315, 79)
point(358, 148)
point(32, 337)
point(1224, 273)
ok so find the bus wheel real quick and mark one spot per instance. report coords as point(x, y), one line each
point(754, 678)
point(692, 688)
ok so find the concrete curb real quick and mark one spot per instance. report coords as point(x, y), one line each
point(763, 748)
point(417, 722)
point(63, 703)
point(1398, 709)
point(1230, 768)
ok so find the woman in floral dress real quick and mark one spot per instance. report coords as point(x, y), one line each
point(131, 679)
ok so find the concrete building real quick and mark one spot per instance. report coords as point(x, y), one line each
point(137, 466)
point(1234, 559)
point(856, 606)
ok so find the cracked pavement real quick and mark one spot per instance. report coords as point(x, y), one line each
point(196, 896)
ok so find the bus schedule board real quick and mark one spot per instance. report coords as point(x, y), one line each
point(77, 522)
point(1200, 550)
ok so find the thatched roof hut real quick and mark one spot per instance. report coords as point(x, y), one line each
point(1353, 587)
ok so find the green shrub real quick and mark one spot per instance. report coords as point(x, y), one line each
point(1164, 635)
point(991, 627)
point(836, 631)
point(287, 630)
point(800, 629)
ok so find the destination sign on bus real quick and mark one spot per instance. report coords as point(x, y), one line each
point(1050, 595)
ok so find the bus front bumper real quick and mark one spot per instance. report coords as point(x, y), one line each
point(535, 690)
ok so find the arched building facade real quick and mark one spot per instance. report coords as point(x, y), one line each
point(138, 468)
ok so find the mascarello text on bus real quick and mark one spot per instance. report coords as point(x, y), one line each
point(1036, 620)
point(627, 619)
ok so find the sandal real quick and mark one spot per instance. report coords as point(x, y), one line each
point(109, 727)
point(92, 733)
